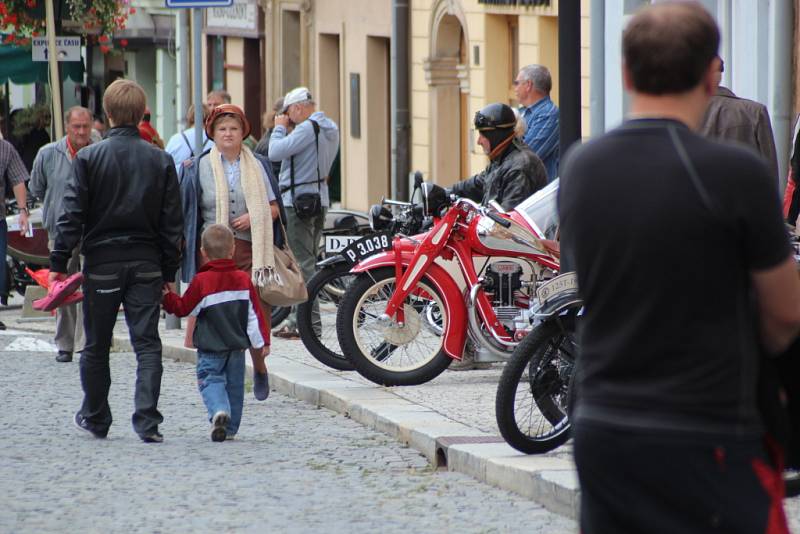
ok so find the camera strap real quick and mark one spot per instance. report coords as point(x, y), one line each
point(292, 185)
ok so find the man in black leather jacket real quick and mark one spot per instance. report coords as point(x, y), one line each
point(122, 202)
point(514, 173)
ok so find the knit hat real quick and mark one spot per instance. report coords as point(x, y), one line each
point(227, 109)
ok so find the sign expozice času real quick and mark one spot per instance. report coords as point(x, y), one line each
point(69, 49)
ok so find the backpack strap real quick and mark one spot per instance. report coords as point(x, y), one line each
point(189, 145)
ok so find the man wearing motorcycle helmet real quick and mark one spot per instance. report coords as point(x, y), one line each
point(514, 172)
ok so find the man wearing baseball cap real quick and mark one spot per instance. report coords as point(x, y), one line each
point(306, 155)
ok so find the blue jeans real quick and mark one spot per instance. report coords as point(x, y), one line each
point(220, 379)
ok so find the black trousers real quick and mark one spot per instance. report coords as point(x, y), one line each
point(654, 483)
point(137, 286)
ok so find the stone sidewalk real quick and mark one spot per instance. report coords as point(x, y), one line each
point(450, 419)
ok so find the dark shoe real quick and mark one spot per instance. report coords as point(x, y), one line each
point(287, 333)
point(2, 325)
point(261, 385)
point(153, 436)
point(64, 356)
point(83, 425)
point(219, 424)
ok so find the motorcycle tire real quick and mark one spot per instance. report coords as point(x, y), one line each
point(791, 480)
point(327, 288)
point(546, 386)
point(381, 361)
point(278, 315)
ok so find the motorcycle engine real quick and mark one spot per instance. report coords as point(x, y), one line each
point(502, 283)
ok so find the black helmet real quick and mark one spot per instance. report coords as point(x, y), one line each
point(494, 117)
point(434, 199)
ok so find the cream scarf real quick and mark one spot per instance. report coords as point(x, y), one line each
point(256, 200)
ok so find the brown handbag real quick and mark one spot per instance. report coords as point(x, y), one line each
point(293, 289)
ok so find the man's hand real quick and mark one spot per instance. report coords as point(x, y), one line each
point(52, 278)
point(23, 222)
point(241, 223)
point(282, 120)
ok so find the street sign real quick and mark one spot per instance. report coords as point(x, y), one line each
point(199, 3)
point(69, 49)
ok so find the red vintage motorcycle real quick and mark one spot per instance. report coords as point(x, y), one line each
point(417, 299)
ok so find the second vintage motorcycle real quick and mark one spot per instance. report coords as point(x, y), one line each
point(417, 299)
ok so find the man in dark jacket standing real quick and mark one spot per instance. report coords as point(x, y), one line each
point(732, 118)
point(514, 172)
point(122, 201)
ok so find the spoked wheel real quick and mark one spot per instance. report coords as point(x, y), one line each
point(385, 352)
point(318, 331)
point(532, 396)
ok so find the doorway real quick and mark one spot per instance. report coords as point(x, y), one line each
point(446, 74)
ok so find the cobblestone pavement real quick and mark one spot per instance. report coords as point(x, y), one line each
point(292, 468)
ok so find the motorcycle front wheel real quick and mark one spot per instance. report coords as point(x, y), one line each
point(534, 389)
point(385, 352)
point(318, 331)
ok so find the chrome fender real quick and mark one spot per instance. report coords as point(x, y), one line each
point(455, 335)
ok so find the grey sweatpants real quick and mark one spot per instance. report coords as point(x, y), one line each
point(69, 319)
point(304, 237)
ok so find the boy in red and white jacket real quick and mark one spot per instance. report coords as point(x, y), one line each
point(229, 320)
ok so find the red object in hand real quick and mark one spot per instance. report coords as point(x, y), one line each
point(61, 291)
point(40, 276)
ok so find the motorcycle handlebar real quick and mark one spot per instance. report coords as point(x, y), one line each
point(499, 220)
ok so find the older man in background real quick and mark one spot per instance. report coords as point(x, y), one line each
point(51, 170)
point(532, 87)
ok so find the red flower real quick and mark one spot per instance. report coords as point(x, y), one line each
point(30, 3)
point(104, 49)
point(123, 42)
point(35, 34)
point(132, 11)
point(103, 38)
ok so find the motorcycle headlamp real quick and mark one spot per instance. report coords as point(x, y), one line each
point(380, 218)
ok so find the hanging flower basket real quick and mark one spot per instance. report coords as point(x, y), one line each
point(97, 20)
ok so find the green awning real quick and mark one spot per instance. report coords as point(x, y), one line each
point(16, 65)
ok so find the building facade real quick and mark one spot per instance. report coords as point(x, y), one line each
point(465, 55)
point(234, 50)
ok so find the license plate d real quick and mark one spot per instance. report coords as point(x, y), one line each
point(367, 246)
point(334, 244)
point(560, 284)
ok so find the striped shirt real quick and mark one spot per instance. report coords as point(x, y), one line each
point(542, 134)
point(12, 170)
